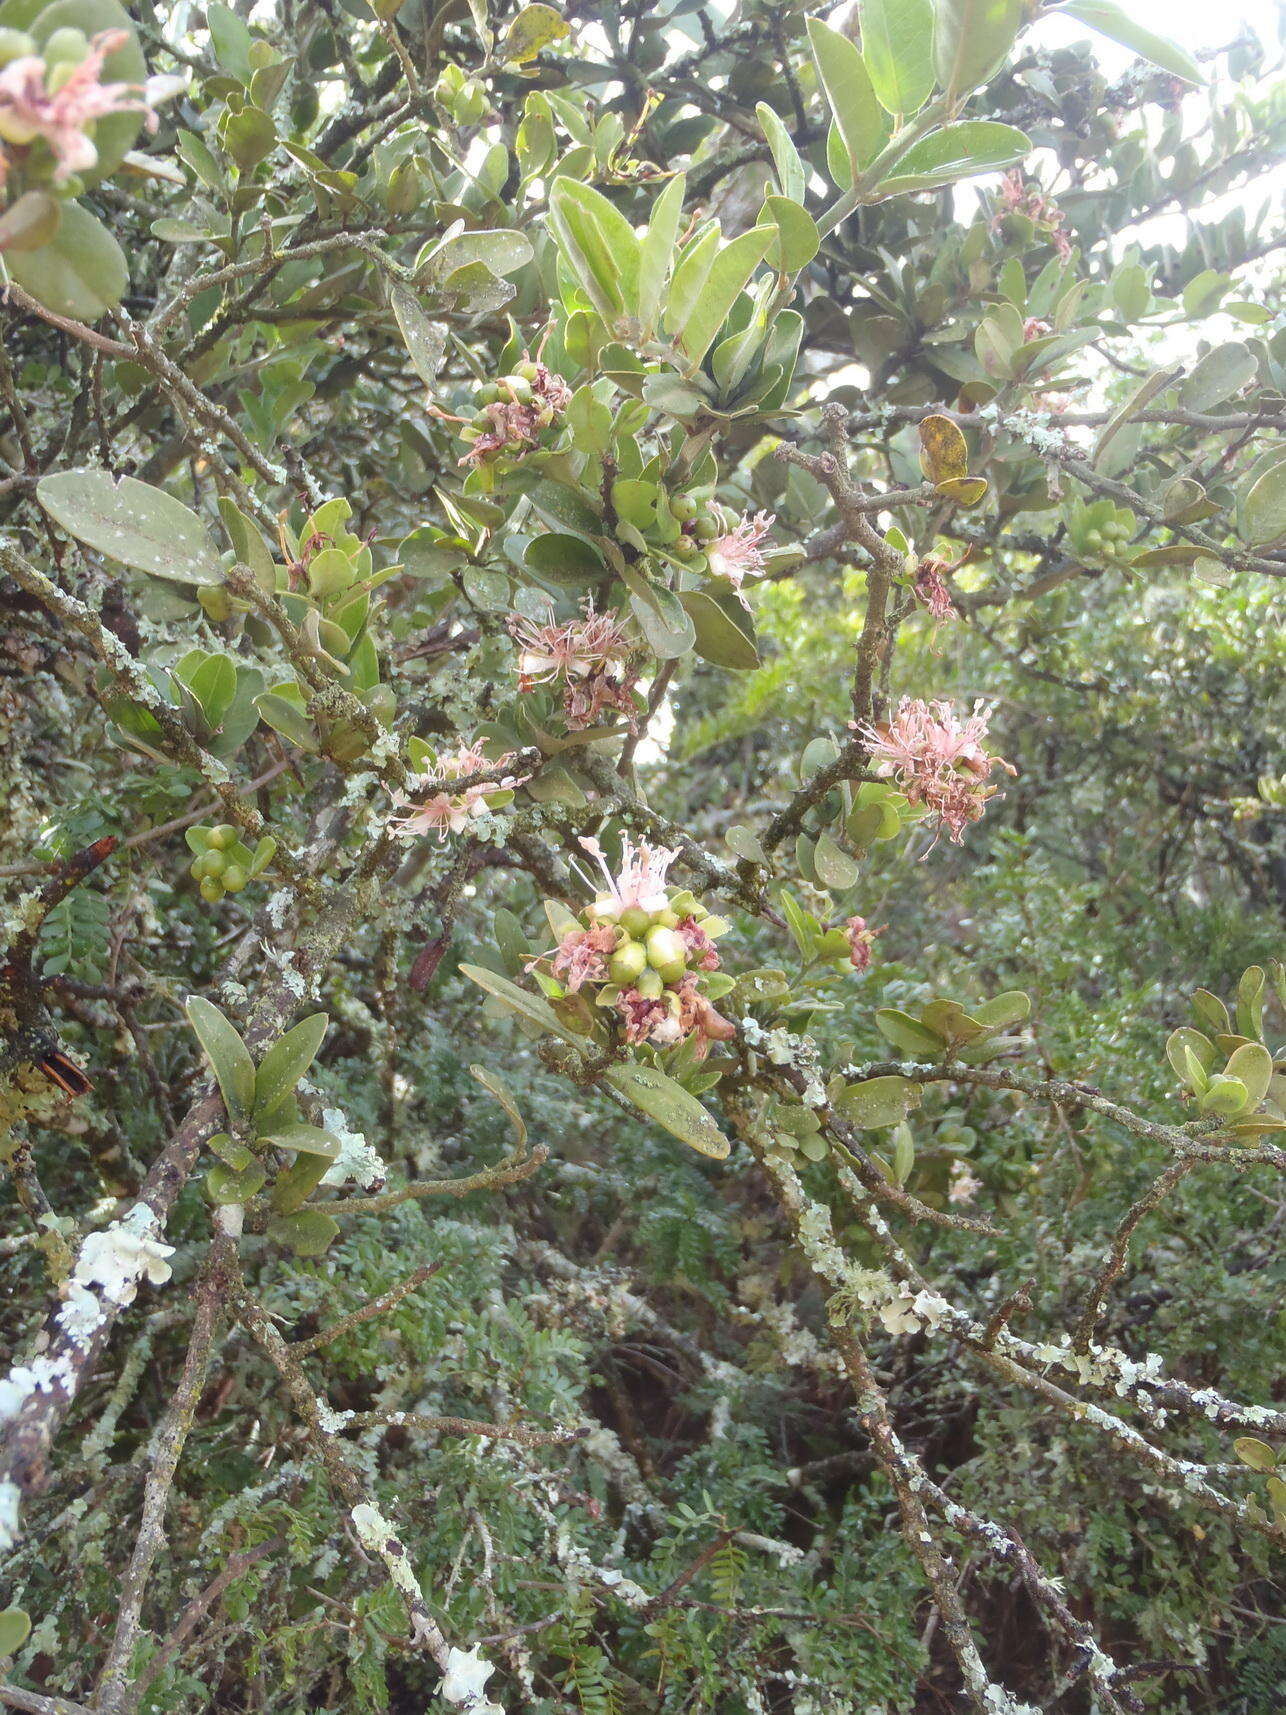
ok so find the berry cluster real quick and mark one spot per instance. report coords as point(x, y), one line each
point(222, 863)
point(513, 412)
point(648, 951)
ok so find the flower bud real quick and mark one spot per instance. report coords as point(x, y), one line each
point(209, 864)
point(627, 963)
point(234, 878)
point(220, 838)
point(211, 890)
point(65, 47)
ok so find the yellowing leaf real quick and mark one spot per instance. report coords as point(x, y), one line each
point(964, 490)
point(944, 453)
point(534, 28)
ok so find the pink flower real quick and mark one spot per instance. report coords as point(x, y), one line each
point(582, 955)
point(588, 655)
point(446, 812)
point(1018, 197)
point(860, 940)
point(931, 589)
point(64, 119)
point(737, 552)
point(641, 881)
point(937, 759)
point(702, 952)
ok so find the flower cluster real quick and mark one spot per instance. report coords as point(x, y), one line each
point(514, 411)
point(931, 587)
point(937, 759)
point(587, 656)
point(435, 805)
point(1019, 197)
point(738, 550)
point(648, 951)
point(57, 100)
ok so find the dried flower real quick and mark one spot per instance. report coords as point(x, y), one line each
point(931, 588)
point(738, 550)
point(860, 941)
point(518, 422)
point(697, 1016)
point(433, 808)
point(64, 118)
point(587, 655)
point(1019, 197)
point(937, 759)
point(582, 954)
point(702, 952)
point(647, 1020)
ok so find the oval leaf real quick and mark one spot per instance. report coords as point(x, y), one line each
point(132, 522)
point(228, 1055)
point(670, 1105)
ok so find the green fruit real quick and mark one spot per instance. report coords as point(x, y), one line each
point(683, 507)
point(488, 393)
point(666, 952)
point(211, 890)
point(65, 47)
point(211, 863)
point(1093, 538)
point(528, 370)
point(220, 838)
point(519, 389)
point(651, 985)
point(706, 529)
point(668, 919)
point(635, 921)
point(15, 45)
point(234, 878)
point(627, 963)
point(684, 548)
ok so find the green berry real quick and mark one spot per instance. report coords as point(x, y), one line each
point(518, 388)
point(488, 393)
point(1093, 538)
point(234, 878)
point(211, 890)
point(650, 985)
point(666, 953)
point(684, 508)
point(705, 529)
point(210, 864)
point(220, 838)
point(528, 369)
point(635, 921)
point(627, 963)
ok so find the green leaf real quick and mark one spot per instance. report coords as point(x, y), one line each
point(249, 136)
point(791, 175)
point(599, 243)
point(1004, 1009)
point(81, 272)
point(495, 1086)
point(1114, 22)
point(1252, 1065)
point(303, 1140)
point(798, 239)
point(426, 340)
point(132, 522)
point(729, 271)
point(670, 1105)
point(248, 544)
point(1185, 1042)
point(907, 1033)
point(287, 718)
point(30, 223)
point(526, 1005)
point(224, 1184)
point(662, 618)
point(656, 250)
point(1221, 373)
point(956, 152)
point(723, 637)
point(1264, 512)
point(835, 868)
point(897, 45)
point(307, 1232)
point(879, 1102)
point(844, 77)
point(972, 39)
point(15, 1628)
point(286, 1062)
